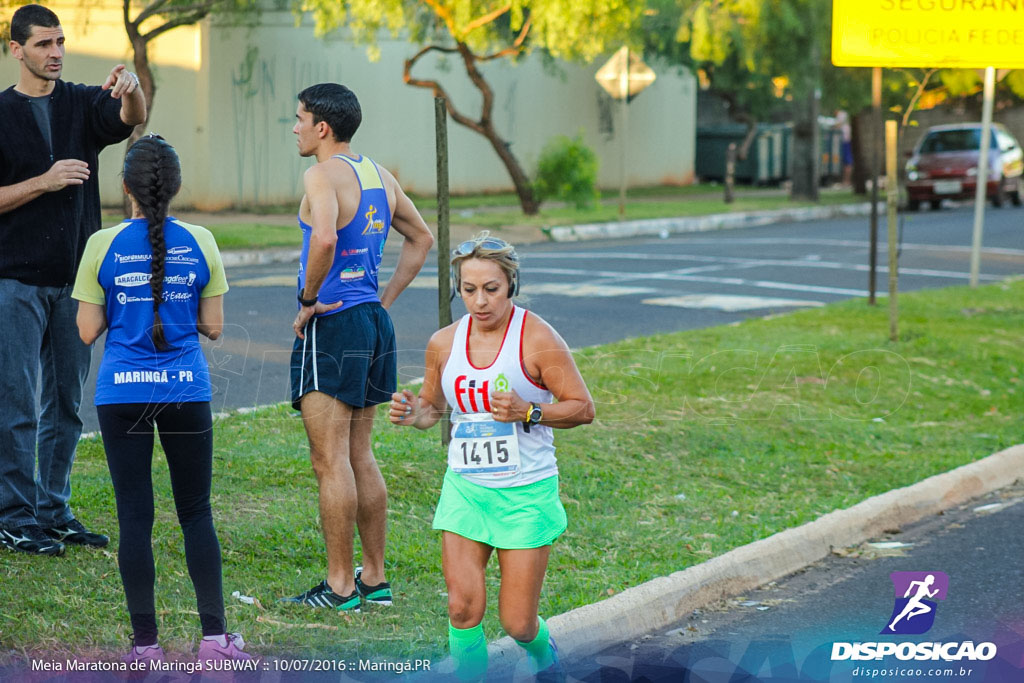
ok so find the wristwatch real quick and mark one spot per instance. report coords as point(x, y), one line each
point(534, 414)
point(307, 302)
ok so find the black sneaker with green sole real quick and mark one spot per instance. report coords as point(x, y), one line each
point(375, 595)
point(321, 595)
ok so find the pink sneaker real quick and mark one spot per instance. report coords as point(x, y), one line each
point(144, 653)
point(227, 646)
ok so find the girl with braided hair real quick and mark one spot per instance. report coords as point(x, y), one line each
point(155, 284)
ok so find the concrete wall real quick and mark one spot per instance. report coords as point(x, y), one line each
point(226, 100)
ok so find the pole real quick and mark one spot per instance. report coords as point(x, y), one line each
point(980, 193)
point(876, 127)
point(893, 197)
point(625, 135)
point(444, 302)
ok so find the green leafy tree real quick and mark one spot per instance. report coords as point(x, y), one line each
point(760, 56)
point(478, 31)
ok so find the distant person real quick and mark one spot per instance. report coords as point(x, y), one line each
point(842, 124)
point(343, 361)
point(156, 284)
point(510, 380)
point(50, 139)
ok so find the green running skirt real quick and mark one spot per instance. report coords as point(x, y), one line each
point(517, 517)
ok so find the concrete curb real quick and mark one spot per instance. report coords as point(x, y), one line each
point(591, 231)
point(666, 600)
point(720, 221)
point(253, 257)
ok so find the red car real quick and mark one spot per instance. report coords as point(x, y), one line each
point(944, 165)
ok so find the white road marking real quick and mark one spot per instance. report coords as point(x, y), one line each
point(728, 302)
point(584, 289)
point(266, 281)
point(722, 262)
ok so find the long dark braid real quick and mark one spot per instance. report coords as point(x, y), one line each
point(152, 175)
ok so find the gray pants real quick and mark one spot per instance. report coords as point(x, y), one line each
point(38, 333)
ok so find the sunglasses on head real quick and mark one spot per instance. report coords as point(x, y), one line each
point(467, 247)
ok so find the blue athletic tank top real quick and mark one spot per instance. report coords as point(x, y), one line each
point(114, 273)
point(352, 278)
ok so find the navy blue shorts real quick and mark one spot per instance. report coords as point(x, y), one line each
point(348, 355)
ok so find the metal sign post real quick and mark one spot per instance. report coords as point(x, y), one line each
point(876, 128)
point(980, 193)
point(893, 199)
point(623, 76)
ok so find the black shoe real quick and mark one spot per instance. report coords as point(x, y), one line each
point(30, 539)
point(321, 595)
point(375, 595)
point(74, 532)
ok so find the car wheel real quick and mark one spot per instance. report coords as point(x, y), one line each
point(936, 204)
point(1017, 196)
point(999, 198)
point(913, 205)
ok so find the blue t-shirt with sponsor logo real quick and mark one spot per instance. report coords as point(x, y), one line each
point(352, 278)
point(114, 273)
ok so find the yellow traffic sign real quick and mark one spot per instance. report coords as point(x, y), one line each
point(625, 72)
point(955, 34)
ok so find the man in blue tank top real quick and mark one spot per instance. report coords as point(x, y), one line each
point(343, 360)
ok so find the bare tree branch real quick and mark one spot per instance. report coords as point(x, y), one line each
point(485, 19)
point(175, 23)
point(446, 16)
point(516, 46)
point(438, 89)
point(150, 10)
point(922, 84)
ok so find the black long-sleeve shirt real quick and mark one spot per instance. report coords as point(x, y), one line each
point(41, 242)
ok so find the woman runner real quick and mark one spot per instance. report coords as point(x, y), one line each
point(510, 380)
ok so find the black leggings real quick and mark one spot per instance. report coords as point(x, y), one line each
point(186, 434)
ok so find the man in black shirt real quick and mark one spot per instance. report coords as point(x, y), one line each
point(50, 140)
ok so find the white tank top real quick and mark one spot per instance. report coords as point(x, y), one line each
point(468, 388)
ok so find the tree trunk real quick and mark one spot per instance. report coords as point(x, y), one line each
point(485, 125)
point(806, 148)
point(730, 171)
point(861, 167)
point(519, 178)
point(140, 61)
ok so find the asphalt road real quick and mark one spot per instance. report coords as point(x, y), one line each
point(786, 631)
point(599, 292)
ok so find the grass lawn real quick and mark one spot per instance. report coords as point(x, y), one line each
point(705, 440)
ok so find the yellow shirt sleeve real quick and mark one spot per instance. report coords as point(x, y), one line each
point(218, 283)
point(87, 282)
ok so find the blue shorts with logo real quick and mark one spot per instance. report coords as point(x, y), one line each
point(349, 355)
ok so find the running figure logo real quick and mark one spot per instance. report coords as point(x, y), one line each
point(374, 225)
point(915, 601)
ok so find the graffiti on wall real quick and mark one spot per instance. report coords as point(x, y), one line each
point(263, 100)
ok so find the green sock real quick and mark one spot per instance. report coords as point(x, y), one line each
point(539, 649)
point(469, 650)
